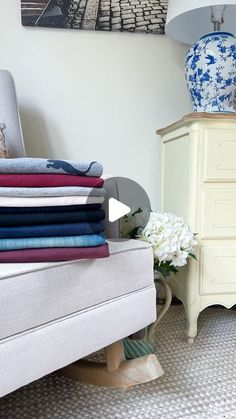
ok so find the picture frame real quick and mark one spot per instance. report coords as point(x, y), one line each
point(137, 16)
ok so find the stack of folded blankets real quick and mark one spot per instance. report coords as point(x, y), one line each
point(50, 210)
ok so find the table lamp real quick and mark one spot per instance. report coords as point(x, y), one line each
point(210, 67)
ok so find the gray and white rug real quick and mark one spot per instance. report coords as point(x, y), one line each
point(199, 380)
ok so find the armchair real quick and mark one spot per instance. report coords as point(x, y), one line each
point(53, 314)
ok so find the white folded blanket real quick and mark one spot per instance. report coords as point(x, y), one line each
point(11, 201)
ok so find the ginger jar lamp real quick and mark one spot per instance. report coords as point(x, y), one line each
point(210, 67)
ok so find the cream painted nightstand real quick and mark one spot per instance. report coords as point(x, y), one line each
point(198, 179)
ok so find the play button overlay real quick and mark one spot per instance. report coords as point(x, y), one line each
point(117, 209)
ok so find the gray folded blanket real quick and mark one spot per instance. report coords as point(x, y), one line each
point(54, 191)
point(36, 165)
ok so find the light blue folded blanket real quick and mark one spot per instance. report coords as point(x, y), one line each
point(90, 240)
point(54, 191)
point(35, 165)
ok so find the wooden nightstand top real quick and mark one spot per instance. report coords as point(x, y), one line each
point(194, 116)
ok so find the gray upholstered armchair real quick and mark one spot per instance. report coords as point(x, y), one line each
point(52, 314)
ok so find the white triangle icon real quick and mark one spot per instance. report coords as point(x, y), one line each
point(117, 209)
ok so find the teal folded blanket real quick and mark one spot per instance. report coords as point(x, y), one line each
point(90, 240)
point(54, 191)
point(35, 165)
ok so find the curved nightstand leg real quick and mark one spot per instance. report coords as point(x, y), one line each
point(192, 313)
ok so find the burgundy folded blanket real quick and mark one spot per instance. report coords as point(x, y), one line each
point(44, 180)
point(54, 254)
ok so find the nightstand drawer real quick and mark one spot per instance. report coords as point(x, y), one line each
point(219, 155)
point(219, 214)
point(218, 270)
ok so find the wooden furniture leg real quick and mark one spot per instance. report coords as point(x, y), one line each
point(116, 372)
point(192, 313)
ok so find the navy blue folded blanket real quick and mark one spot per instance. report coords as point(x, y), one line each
point(52, 230)
point(59, 208)
point(55, 217)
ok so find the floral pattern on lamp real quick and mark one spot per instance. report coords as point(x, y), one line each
point(211, 73)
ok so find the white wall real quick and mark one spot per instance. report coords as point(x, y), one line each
point(95, 95)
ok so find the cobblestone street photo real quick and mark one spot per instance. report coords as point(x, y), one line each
point(146, 16)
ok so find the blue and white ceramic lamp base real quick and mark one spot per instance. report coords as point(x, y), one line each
point(211, 73)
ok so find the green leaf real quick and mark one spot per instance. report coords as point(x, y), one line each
point(138, 211)
point(165, 268)
point(133, 233)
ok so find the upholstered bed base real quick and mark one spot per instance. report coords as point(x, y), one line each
point(30, 355)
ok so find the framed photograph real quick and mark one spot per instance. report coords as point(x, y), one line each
point(147, 16)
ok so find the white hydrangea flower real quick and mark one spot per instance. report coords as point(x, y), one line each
point(170, 237)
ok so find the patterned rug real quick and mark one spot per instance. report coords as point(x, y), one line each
point(199, 380)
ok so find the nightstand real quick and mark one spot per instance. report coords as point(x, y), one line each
point(198, 182)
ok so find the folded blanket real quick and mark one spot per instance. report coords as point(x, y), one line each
point(67, 241)
point(44, 180)
point(50, 217)
point(11, 201)
point(65, 208)
point(51, 230)
point(58, 254)
point(35, 165)
point(58, 191)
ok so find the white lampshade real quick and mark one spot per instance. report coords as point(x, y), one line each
point(188, 20)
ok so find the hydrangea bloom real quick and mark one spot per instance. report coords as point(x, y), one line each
point(170, 237)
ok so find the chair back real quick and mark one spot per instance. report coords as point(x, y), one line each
point(9, 116)
point(112, 230)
